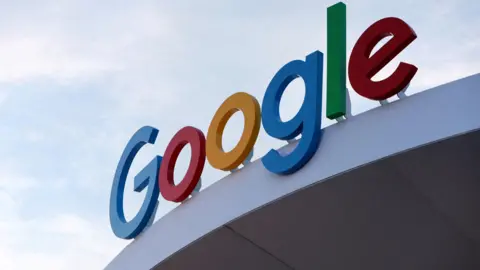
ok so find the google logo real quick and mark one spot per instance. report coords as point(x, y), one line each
point(157, 176)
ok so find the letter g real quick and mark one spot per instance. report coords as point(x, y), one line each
point(147, 178)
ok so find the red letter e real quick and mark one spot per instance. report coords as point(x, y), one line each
point(362, 67)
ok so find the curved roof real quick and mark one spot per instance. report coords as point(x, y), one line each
point(357, 148)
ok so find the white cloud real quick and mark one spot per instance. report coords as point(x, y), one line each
point(11, 181)
point(70, 40)
point(67, 241)
point(25, 58)
point(61, 241)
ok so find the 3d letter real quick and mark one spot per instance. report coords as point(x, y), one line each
point(145, 179)
point(336, 60)
point(250, 108)
point(196, 139)
point(363, 67)
point(306, 122)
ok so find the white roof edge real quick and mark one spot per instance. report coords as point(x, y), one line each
point(431, 115)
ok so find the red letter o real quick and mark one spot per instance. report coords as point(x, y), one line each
point(168, 189)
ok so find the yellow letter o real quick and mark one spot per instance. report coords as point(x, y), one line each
point(250, 108)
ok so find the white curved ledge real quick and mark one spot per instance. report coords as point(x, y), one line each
point(423, 118)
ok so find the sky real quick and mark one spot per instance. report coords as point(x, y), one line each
point(79, 77)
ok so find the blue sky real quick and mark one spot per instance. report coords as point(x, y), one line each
point(79, 77)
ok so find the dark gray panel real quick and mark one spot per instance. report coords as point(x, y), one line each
point(221, 250)
point(378, 216)
point(447, 174)
point(368, 219)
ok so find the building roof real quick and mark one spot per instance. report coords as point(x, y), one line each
point(393, 187)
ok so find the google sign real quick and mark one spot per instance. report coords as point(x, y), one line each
point(157, 176)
